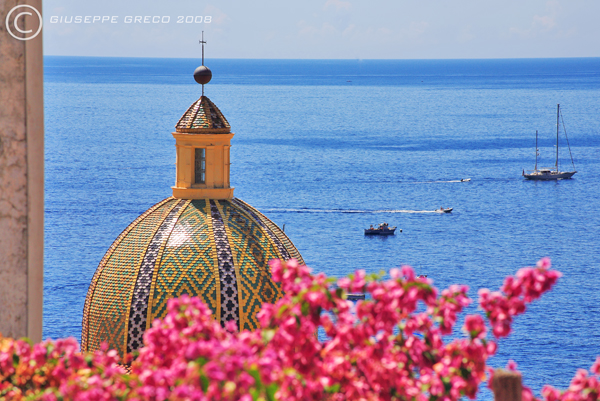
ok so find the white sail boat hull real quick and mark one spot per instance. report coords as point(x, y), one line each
point(549, 175)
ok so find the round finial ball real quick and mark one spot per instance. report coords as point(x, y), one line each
point(202, 75)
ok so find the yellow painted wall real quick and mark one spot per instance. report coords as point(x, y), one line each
point(216, 184)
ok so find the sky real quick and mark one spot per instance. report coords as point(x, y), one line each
point(324, 29)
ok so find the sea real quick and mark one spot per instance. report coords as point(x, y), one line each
point(329, 147)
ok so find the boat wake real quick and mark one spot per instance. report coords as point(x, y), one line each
point(307, 210)
point(437, 182)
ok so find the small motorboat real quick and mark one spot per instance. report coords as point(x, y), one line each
point(442, 210)
point(465, 179)
point(381, 229)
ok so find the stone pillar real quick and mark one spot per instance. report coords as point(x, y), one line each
point(21, 174)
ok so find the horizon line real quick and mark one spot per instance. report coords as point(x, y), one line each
point(338, 59)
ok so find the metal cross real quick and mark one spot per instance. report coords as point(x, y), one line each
point(202, 42)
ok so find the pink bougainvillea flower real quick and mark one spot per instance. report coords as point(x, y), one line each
point(385, 347)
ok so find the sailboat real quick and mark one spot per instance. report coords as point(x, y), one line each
point(549, 173)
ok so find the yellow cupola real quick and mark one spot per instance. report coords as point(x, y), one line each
point(202, 140)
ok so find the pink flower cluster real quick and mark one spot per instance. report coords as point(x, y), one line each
point(583, 387)
point(54, 370)
point(390, 346)
point(528, 285)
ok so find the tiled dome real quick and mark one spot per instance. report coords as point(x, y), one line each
point(217, 250)
point(202, 116)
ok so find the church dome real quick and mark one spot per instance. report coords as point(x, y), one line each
point(202, 242)
point(217, 250)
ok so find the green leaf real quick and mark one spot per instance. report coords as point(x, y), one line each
point(89, 360)
point(332, 389)
point(204, 382)
point(268, 335)
point(305, 309)
point(429, 356)
point(27, 340)
point(256, 376)
point(271, 390)
point(282, 309)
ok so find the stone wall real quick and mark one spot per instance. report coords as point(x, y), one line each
point(21, 181)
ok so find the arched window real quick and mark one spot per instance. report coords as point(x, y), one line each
point(200, 166)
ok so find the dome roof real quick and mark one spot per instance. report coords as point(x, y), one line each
point(203, 117)
point(217, 250)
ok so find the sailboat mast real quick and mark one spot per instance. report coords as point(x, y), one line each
point(536, 149)
point(557, 126)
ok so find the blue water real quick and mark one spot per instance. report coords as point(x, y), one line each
point(327, 157)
